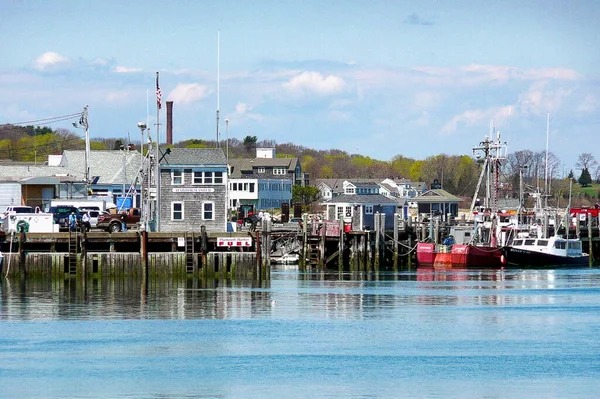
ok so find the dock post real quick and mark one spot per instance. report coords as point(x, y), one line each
point(590, 250)
point(354, 266)
point(144, 253)
point(377, 242)
point(410, 252)
point(341, 247)
point(22, 239)
point(396, 235)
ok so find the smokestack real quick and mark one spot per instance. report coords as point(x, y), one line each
point(169, 122)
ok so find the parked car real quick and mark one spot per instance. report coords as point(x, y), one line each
point(113, 222)
point(61, 215)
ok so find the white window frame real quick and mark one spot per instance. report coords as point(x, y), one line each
point(368, 209)
point(350, 190)
point(261, 170)
point(173, 211)
point(218, 177)
point(173, 177)
point(197, 177)
point(204, 211)
point(339, 212)
point(279, 171)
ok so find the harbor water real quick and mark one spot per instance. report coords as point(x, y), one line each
point(412, 334)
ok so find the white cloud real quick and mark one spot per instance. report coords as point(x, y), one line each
point(49, 59)
point(474, 117)
point(589, 104)
point(314, 82)
point(186, 93)
point(243, 112)
point(122, 69)
point(539, 99)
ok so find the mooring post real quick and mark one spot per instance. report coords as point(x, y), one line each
point(590, 251)
point(84, 260)
point(377, 243)
point(341, 247)
point(22, 254)
point(396, 245)
point(144, 253)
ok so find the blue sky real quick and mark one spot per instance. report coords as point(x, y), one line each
point(377, 78)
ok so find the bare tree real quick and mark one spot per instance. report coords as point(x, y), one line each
point(586, 161)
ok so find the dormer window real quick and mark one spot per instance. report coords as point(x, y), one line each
point(279, 171)
point(350, 190)
point(261, 170)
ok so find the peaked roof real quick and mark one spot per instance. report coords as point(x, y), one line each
point(436, 195)
point(193, 156)
point(361, 199)
point(245, 166)
point(111, 166)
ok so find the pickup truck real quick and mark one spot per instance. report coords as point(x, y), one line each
point(113, 222)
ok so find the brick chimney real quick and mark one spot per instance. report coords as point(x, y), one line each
point(169, 122)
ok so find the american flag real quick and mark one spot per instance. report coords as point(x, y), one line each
point(158, 94)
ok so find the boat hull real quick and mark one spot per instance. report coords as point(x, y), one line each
point(523, 258)
point(459, 256)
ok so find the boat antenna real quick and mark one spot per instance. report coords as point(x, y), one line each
point(218, 81)
point(546, 171)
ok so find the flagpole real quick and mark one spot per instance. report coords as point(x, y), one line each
point(218, 82)
point(158, 107)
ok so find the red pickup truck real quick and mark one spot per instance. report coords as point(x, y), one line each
point(113, 222)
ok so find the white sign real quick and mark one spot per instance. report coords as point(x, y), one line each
point(194, 190)
point(181, 241)
point(234, 241)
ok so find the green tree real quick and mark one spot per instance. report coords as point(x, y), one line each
point(304, 195)
point(118, 144)
point(250, 143)
point(585, 179)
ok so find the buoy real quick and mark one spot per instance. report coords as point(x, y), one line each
point(503, 260)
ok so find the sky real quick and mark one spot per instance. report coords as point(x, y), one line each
point(375, 78)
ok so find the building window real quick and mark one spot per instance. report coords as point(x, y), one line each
point(369, 209)
point(176, 210)
point(251, 187)
point(261, 170)
point(218, 177)
point(208, 211)
point(279, 171)
point(348, 211)
point(197, 177)
point(176, 177)
point(349, 190)
point(340, 212)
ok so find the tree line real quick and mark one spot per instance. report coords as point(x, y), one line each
point(457, 174)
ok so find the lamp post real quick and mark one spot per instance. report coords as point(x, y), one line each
point(83, 124)
point(142, 127)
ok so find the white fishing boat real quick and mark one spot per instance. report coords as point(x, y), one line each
point(286, 259)
point(541, 252)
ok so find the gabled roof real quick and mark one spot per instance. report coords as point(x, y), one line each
point(245, 166)
point(436, 195)
point(193, 156)
point(361, 199)
point(112, 167)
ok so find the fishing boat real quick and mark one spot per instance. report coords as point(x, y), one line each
point(481, 245)
point(541, 252)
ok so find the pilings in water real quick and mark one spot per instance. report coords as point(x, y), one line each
point(126, 254)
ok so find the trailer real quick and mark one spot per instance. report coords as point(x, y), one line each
point(84, 204)
point(29, 223)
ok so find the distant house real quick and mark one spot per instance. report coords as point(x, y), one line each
point(193, 193)
point(329, 188)
point(265, 181)
point(437, 202)
point(360, 209)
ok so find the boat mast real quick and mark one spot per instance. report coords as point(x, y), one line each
point(546, 193)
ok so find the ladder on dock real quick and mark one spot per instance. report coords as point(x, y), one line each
point(314, 253)
point(189, 253)
point(73, 252)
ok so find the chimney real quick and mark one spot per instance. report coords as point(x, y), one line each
point(169, 122)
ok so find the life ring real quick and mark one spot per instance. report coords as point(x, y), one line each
point(22, 226)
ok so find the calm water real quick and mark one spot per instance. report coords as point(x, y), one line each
point(476, 334)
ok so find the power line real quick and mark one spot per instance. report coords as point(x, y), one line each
point(50, 120)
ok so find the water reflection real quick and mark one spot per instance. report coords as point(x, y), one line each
point(289, 294)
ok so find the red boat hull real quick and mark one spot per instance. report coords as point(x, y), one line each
point(461, 255)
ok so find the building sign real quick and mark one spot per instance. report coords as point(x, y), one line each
point(234, 241)
point(194, 190)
